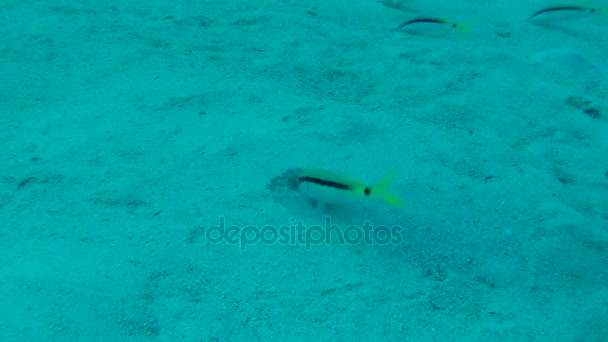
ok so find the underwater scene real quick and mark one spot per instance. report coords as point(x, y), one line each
point(282, 170)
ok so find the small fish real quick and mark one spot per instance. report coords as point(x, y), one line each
point(568, 11)
point(396, 4)
point(330, 188)
point(432, 26)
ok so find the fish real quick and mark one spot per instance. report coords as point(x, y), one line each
point(568, 11)
point(427, 25)
point(396, 4)
point(331, 188)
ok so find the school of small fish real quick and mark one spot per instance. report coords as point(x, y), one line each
point(430, 25)
point(327, 188)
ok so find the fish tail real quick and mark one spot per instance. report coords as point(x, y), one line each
point(464, 28)
point(382, 189)
point(603, 11)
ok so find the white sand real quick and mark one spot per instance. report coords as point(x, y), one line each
point(128, 128)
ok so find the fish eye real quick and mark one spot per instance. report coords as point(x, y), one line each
point(367, 191)
point(592, 10)
point(454, 25)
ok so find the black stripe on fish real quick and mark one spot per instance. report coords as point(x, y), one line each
point(563, 8)
point(325, 183)
point(423, 20)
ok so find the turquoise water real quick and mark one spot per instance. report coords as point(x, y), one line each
point(233, 171)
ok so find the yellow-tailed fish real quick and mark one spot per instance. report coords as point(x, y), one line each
point(567, 12)
point(433, 26)
point(330, 188)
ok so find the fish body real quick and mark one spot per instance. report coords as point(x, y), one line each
point(330, 188)
point(567, 12)
point(432, 26)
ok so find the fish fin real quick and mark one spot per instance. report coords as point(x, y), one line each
point(382, 189)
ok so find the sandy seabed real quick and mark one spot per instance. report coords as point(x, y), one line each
point(129, 128)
